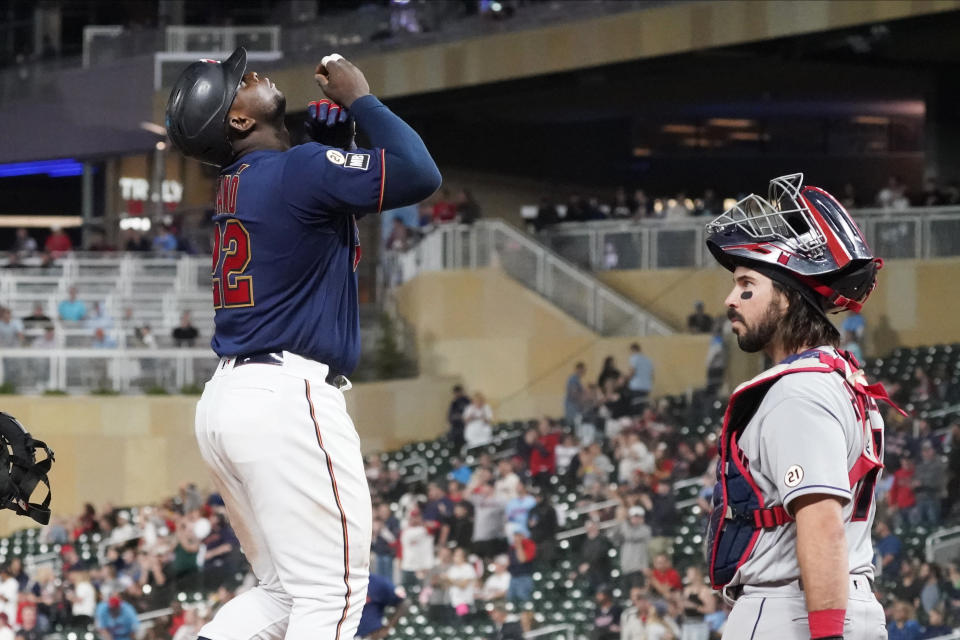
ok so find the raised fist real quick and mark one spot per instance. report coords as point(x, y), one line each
point(340, 80)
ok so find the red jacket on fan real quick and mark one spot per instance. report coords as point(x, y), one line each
point(543, 459)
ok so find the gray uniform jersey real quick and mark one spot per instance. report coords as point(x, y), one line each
point(804, 439)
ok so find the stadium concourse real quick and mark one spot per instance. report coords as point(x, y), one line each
point(629, 511)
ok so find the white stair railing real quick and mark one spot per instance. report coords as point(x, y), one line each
point(495, 243)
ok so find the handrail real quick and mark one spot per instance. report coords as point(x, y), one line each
point(937, 540)
point(494, 242)
point(944, 411)
point(595, 506)
point(579, 531)
point(496, 438)
point(568, 629)
point(653, 324)
point(154, 614)
point(683, 484)
point(420, 463)
point(117, 375)
point(920, 232)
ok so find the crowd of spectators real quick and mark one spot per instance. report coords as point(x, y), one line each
point(39, 331)
point(466, 545)
point(166, 239)
point(895, 194)
point(637, 205)
point(616, 394)
point(111, 564)
point(469, 542)
point(402, 228)
point(624, 205)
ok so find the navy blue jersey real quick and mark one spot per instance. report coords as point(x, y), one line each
point(286, 248)
point(381, 593)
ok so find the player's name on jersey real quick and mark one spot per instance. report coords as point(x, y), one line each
point(227, 187)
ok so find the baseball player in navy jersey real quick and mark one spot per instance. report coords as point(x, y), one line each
point(802, 443)
point(272, 423)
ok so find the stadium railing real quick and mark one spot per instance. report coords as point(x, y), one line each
point(106, 369)
point(158, 286)
point(493, 242)
point(553, 630)
point(921, 233)
point(942, 545)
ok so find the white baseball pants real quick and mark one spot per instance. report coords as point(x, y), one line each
point(286, 458)
point(780, 612)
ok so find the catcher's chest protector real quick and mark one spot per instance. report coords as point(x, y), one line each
point(738, 514)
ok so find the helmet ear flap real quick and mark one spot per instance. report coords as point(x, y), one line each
point(858, 283)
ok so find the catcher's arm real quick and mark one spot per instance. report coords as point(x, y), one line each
point(824, 568)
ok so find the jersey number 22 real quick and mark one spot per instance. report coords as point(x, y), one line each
point(231, 257)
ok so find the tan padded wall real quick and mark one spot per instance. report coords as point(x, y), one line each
point(518, 348)
point(915, 303)
point(138, 450)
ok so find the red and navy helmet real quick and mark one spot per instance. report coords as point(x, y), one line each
point(802, 237)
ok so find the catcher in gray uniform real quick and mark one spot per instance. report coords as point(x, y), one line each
point(802, 443)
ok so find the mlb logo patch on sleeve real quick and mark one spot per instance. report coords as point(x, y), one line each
point(358, 161)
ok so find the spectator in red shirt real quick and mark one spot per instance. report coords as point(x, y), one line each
point(664, 578)
point(543, 459)
point(58, 242)
point(177, 617)
point(665, 462)
point(454, 491)
point(444, 210)
point(522, 553)
point(901, 497)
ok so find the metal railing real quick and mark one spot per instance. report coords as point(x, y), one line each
point(157, 289)
point(921, 232)
point(596, 506)
point(115, 370)
point(557, 630)
point(193, 39)
point(167, 66)
point(941, 545)
point(495, 243)
point(581, 531)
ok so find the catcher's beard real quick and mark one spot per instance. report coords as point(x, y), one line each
point(757, 337)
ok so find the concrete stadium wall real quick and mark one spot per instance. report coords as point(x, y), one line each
point(133, 450)
point(914, 304)
point(518, 348)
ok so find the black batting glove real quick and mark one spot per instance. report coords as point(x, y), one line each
point(330, 124)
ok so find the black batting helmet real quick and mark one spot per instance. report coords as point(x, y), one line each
point(198, 106)
point(801, 237)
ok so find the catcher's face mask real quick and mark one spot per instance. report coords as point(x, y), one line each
point(20, 472)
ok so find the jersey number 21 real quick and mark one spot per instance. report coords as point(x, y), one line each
point(231, 257)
